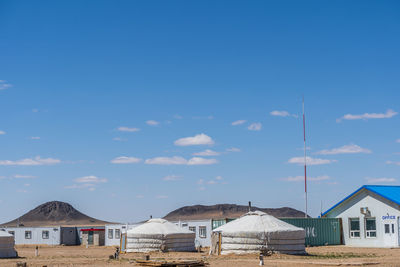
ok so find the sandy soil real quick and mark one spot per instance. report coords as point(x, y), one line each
point(98, 256)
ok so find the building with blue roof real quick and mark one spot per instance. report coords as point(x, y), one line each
point(370, 216)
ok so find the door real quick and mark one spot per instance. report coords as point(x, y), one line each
point(90, 238)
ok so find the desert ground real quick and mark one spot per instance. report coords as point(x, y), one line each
point(99, 256)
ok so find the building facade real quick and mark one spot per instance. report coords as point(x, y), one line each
point(202, 228)
point(370, 216)
point(113, 232)
point(43, 235)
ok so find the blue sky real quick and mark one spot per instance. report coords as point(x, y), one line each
point(108, 105)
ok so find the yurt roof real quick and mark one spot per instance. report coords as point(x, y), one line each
point(159, 226)
point(4, 233)
point(256, 221)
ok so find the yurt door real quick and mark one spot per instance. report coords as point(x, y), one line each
point(90, 238)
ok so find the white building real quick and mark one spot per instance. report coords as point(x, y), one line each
point(114, 231)
point(202, 228)
point(370, 216)
point(43, 235)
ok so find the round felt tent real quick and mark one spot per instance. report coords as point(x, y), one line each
point(7, 245)
point(159, 235)
point(257, 231)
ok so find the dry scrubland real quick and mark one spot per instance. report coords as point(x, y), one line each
point(98, 256)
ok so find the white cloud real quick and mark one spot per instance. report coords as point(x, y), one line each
point(19, 176)
point(167, 161)
point(128, 129)
point(233, 149)
point(311, 179)
point(393, 162)
point(125, 160)
point(207, 152)
point(88, 186)
point(398, 141)
point(4, 85)
point(30, 162)
point(346, 149)
point(255, 126)
point(118, 139)
point(380, 180)
point(219, 178)
point(200, 181)
point(90, 179)
point(172, 178)
point(152, 123)
point(139, 196)
point(199, 139)
point(211, 182)
point(282, 113)
point(201, 161)
point(238, 122)
point(2, 132)
point(22, 191)
point(178, 117)
point(161, 197)
point(35, 110)
point(35, 137)
point(27, 184)
point(310, 161)
point(389, 113)
point(180, 161)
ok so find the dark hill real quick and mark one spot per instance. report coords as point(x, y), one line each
point(221, 211)
point(54, 213)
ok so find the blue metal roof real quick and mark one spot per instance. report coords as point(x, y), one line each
point(389, 192)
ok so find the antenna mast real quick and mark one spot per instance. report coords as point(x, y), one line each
point(305, 159)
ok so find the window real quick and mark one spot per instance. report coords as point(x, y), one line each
point(202, 231)
point(192, 228)
point(11, 233)
point(117, 233)
point(184, 224)
point(370, 227)
point(392, 228)
point(28, 234)
point(110, 233)
point(45, 234)
point(387, 229)
point(354, 227)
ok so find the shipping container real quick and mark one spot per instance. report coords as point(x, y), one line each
point(319, 231)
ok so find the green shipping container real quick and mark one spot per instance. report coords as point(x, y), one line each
point(319, 231)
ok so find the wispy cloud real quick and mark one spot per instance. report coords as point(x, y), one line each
point(161, 197)
point(34, 137)
point(238, 122)
point(119, 139)
point(393, 162)
point(199, 139)
point(382, 180)
point(310, 161)
point(4, 85)
point(30, 162)
point(180, 161)
point(366, 116)
point(128, 129)
point(125, 160)
point(207, 152)
point(233, 149)
point(2, 132)
point(152, 123)
point(301, 178)
point(172, 178)
point(19, 176)
point(90, 179)
point(282, 113)
point(255, 126)
point(346, 149)
point(398, 141)
point(167, 161)
point(201, 161)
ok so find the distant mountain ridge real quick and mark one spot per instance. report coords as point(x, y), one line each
point(220, 211)
point(54, 213)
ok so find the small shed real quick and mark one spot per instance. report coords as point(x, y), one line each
point(92, 236)
point(7, 245)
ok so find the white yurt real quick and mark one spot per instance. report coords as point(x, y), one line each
point(257, 231)
point(7, 245)
point(159, 235)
